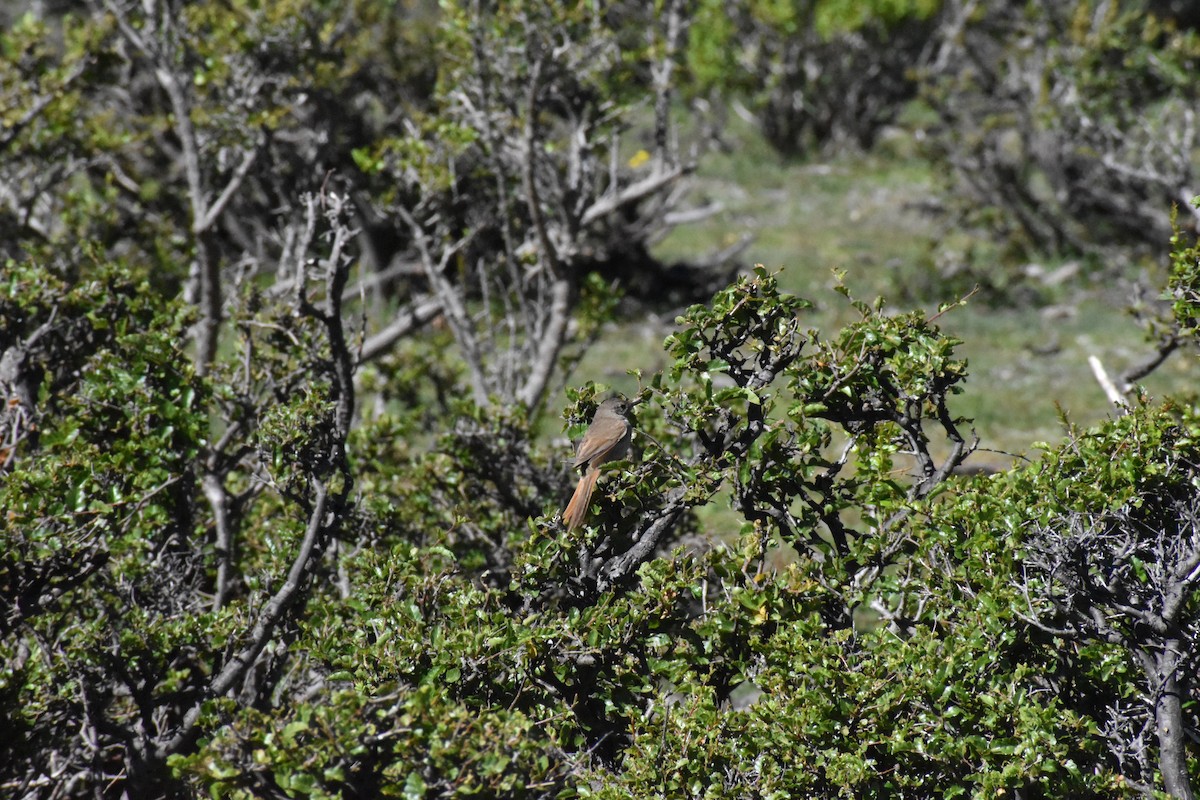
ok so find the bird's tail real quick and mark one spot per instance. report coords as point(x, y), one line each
point(575, 511)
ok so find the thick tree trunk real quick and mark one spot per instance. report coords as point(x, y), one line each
point(1168, 725)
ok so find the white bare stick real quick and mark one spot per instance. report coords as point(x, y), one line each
point(1110, 389)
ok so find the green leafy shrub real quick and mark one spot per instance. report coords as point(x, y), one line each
point(818, 74)
point(1067, 125)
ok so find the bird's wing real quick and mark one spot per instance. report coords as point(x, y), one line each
point(594, 449)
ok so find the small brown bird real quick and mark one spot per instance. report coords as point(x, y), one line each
point(607, 439)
